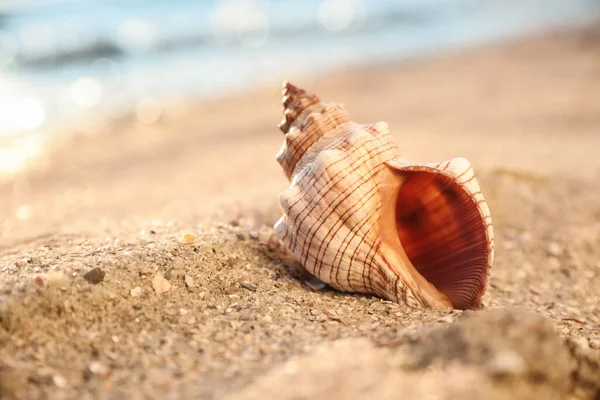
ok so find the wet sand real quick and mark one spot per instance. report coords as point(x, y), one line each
point(239, 318)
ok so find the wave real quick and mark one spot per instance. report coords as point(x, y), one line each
point(285, 24)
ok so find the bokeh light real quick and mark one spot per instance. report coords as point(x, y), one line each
point(137, 35)
point(28, 114)
point(241, 19)
point(86, 92)
point(338, 15)
point(19, 113)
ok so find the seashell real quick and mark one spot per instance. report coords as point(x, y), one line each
point(364, 219)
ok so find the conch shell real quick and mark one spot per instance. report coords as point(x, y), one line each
point(364, 219)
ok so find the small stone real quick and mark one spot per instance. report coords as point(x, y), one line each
point(160, 284)
point(136, 291)
point(39, 281)
point(59, 381)
point(183, 311)
point(249, 286)
point(94, 276)
point(189, 281)
point(187, 238)
point(241, 236)
point(555, 249)
point(97, 368)
point(507, 363)
point(55, 278)
point(446, 319)
point(315, 283)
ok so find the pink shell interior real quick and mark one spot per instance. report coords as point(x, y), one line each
point(444, 236)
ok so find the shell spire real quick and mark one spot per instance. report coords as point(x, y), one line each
point(304, 115)
point(364, 219)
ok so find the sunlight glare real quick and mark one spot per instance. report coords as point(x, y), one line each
point(19, 114)
point(14, 154)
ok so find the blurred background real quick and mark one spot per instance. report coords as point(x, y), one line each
point(125, 124)
point(63, 61)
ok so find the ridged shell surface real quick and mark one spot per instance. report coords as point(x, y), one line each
point(364, 219)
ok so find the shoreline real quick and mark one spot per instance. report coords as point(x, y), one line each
point(32, 144)
point(424, 115)
point(238, 309)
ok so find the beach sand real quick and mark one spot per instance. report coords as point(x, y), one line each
point(238, 316)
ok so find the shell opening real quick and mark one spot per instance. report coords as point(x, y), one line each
point(443, 235)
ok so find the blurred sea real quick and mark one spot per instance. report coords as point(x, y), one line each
point(64, 60)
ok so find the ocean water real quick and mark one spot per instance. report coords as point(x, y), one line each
point(66, 60)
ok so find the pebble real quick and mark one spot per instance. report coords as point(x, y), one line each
point(249, 286)
point(446, 318)
point(39, 281)
point(97, 368)
point(160, 284)
point(55, 278)
point(507, 363)
point(189, 281)
point(94, 276)
point(59, 381)
point(315, 283)
point(187, 238)
point(555, 249)
point(320, 316)
point(136, 291)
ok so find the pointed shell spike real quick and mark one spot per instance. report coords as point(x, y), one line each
point(305, 120)
point(364, 219)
